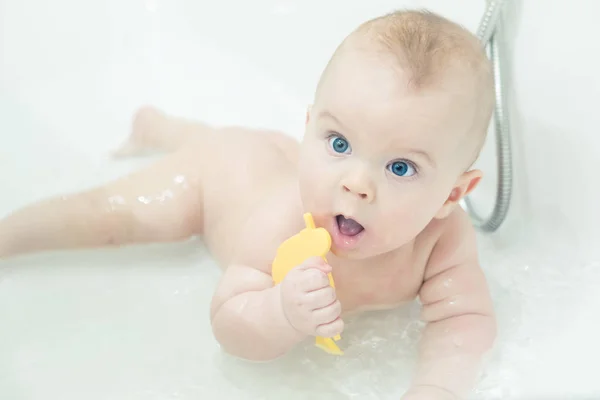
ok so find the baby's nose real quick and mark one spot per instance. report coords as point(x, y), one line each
point(362, 191)
point(359, 194)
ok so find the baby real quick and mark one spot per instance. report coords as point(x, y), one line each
point(399, 116)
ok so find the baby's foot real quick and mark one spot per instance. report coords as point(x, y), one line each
point(147, 131)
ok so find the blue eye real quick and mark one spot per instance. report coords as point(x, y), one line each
point(339, 144)
point(402, 168)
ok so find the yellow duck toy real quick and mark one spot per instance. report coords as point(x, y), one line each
point(309, 242)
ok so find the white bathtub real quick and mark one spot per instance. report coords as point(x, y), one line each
point(133, 323)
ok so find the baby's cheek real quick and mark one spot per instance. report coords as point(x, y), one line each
point(405, 222)
point(315, 186)
point(323, 192)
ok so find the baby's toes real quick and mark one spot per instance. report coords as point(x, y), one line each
point(145, 130)
point(146, 120)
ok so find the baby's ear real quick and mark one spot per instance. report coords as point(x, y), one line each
point(308, 113)
point(464, 185)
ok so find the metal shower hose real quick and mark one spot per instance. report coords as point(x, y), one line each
point(488, 34)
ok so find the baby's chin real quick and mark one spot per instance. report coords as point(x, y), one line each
point(364, 251)
point(372, 244)
point(354, 254)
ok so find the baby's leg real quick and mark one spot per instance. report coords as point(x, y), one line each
point(154, 131)
point(163, 202)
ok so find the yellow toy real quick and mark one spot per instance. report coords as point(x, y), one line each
point(310, 242)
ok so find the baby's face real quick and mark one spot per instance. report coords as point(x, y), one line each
point(379, 161)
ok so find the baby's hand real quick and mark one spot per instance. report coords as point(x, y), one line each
point(309, 302)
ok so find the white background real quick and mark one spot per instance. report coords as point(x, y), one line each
point(133, 323)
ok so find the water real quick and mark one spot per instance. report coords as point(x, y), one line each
point(133, 323)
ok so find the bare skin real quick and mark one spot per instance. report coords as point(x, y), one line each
point(224, 183)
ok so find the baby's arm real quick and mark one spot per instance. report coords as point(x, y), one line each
point(247, 315)
point(162, 202)
point(255, 320)
point(459, 314)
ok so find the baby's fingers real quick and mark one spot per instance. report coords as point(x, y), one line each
point(331, 329)
point(314, 279)
point(315, 262)
point(327, 314)
point(320, 298)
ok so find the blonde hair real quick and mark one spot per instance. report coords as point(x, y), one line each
point(430, 48)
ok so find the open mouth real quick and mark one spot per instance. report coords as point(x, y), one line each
point(348, 226)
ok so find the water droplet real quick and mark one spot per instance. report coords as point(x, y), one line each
point(116, 200)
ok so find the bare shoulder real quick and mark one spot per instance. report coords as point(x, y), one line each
point(272, 221)
point(455, 243)
point(454, 274)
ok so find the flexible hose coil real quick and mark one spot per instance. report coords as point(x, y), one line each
point(488, 33)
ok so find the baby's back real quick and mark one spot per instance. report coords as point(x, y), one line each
point(250, 191)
